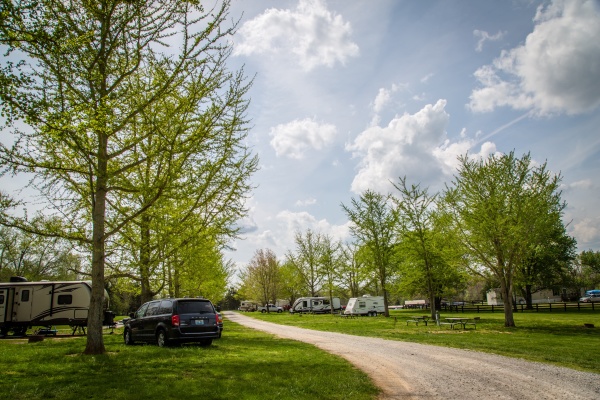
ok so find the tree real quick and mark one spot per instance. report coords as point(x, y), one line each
point(330, 262)
point(353, 272)
point(261, 277)
point(426, 247)
point(500, 205)
point(87, 70)
point(307, 260)
point(373, 225)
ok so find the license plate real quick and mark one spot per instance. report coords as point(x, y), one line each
point(199, 322)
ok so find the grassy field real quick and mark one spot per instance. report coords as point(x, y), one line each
point(243, 364)
point(558, 338)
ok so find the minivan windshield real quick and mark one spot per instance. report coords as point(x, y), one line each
point(195, 307)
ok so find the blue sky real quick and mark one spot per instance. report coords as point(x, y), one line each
point(350, 95)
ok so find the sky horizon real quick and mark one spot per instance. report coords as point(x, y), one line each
point(350, 95)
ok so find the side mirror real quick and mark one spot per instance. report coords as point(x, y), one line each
point(218, 308)
point(131, 315)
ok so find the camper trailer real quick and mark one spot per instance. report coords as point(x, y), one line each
point(315, 305)
point(24, 304)
point(365, 305)
point(248, 306)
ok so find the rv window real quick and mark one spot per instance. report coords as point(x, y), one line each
point(65, 299)
point(1, 299)
point(25, 295)
point(362, 304)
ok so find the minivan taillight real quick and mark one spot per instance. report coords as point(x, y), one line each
point(175, 320)
point(219, 318)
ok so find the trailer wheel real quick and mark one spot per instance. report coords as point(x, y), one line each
point(161, 338)
point(127, 337)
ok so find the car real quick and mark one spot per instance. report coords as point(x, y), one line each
point(174, 321)
point(271, 308)
point(592, 298)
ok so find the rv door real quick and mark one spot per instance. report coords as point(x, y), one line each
point(22, 304)
point(3, 304)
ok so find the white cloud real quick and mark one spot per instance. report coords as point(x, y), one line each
point(313, 34)
point(306, 202)
point(295, 138)
point(586, 231)
point(412, 145)
point(302, 221)
point(557, 70)
point(483, 37)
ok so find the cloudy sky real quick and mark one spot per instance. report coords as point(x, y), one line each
point(350, 95)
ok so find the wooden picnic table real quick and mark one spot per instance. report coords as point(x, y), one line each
point(417, 319)
point(462, 321)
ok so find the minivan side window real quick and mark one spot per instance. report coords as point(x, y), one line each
point(166, 307)
point(142, 311)
point(153, 308)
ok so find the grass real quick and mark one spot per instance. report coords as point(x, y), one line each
point(243, 364)
point(557, 338)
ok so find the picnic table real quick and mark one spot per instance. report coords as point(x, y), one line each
point(417, 319)
point(462, 321)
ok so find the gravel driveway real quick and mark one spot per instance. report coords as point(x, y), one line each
point(413, 371)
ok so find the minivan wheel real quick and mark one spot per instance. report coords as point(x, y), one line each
point(127, 337)
point(161, 339)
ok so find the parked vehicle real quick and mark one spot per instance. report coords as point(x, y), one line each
point(24, 304)
point(248, 306)
point(315, 305)
point(366, 305)
point(593, 292)
point(592, 298)
point(270, 308)
point(170, 321)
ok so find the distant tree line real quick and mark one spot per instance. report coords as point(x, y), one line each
point(497, 225)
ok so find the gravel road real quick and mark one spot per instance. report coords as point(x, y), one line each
point(414, 371)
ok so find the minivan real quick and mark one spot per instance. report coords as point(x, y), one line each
point(173, 321)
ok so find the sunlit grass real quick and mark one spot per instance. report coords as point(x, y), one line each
point(243, 364)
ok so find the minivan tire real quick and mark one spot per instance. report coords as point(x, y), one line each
point(127, 337)
point(161, 338)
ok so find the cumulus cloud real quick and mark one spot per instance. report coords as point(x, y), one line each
point(587, 230)
point(293, 222)
point(556, 70)
point(413, 145)
point(311, 33)
point(483, 37)
point(295, 138)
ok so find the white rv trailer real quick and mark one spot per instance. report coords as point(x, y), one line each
point(315, 305)
point(366, 305)
point(24, 304)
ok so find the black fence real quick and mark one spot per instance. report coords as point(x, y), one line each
point(538, 307)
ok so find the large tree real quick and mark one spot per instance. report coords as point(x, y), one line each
point(429, 262)
point(307, 260)
point(374, 226)
point(261, 278)
point(79, 74)
point(501, 205)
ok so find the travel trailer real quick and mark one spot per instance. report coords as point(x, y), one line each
point(248, 306)
point(366, 305)
point(315, 305)
point(24, 304)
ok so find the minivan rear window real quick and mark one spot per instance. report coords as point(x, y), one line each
point(194, 307)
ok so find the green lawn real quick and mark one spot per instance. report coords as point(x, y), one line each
point(558, 338)
point(243, 364)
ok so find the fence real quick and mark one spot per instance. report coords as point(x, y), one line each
point(538, 307)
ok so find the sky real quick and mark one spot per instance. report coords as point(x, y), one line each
point(350, 95)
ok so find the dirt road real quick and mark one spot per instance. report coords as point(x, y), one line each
point(413, 371)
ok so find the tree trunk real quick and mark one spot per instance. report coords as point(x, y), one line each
point(528, 297)
point(508, 304)
point(95, 341)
